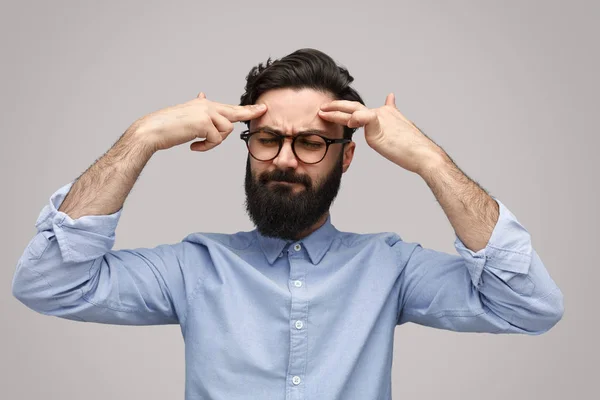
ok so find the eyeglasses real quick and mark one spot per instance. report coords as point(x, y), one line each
point(310, 148)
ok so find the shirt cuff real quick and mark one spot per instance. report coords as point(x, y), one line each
point(82, 239)
point(509, 248)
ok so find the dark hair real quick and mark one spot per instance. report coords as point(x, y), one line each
point(304, 68)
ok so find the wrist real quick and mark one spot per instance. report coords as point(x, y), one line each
point(435, 160)
point(140, 139)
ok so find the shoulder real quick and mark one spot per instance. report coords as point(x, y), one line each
point(384, 240)
point(235, 241)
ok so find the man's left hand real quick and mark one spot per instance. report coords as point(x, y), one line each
point(387, 131)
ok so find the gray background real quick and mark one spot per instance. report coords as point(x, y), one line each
point(509, 89)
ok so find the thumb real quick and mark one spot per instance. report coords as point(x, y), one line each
point(390, 100)
point(201, 95)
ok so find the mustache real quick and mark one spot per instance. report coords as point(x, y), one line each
point(284, 176)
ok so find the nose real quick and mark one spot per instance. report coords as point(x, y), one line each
point(286, 158)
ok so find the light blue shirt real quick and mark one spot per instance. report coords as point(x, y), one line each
point(270, 319)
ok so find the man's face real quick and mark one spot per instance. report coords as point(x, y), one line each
point(286, 210)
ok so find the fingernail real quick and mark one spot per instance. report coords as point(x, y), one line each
point(259, 106)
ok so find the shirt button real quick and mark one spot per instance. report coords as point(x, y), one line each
point(280, 255)
point(298, 283)
point(296, 380)
point(297, 247)
point(299, 324)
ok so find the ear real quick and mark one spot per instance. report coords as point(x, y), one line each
point(348, 155)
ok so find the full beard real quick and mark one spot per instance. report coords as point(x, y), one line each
point(278, 211)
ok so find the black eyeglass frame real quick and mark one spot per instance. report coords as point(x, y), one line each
point(245, 136)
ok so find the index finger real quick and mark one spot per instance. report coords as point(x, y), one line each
point(241, 113)
point(343, 105)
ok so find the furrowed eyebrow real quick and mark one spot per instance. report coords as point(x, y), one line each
point(306, 132)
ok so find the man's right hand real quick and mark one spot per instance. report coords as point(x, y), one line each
point(196, 119)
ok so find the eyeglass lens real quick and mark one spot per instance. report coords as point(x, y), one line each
point(308, 148)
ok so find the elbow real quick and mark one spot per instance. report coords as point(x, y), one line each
point(32, 290)
point(28, 288)
point(558, 309)
point(547, 313)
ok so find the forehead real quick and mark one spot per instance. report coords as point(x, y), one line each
point(293, 110)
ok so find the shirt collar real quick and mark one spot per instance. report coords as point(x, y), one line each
point(316, 244)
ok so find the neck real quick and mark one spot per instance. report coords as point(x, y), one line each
point(313, 228)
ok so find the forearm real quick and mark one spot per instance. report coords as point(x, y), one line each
point(103, 188)
point(471, 211)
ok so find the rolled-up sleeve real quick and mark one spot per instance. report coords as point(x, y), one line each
point(69, 270)
point(502, 288)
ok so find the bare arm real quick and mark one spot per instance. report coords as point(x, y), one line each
point(69, 268)
point(103, 188)
point(471, 211)
point(498, 282)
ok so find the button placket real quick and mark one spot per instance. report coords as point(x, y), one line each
point(297, 323)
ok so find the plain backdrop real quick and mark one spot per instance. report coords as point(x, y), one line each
point(508, 88)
